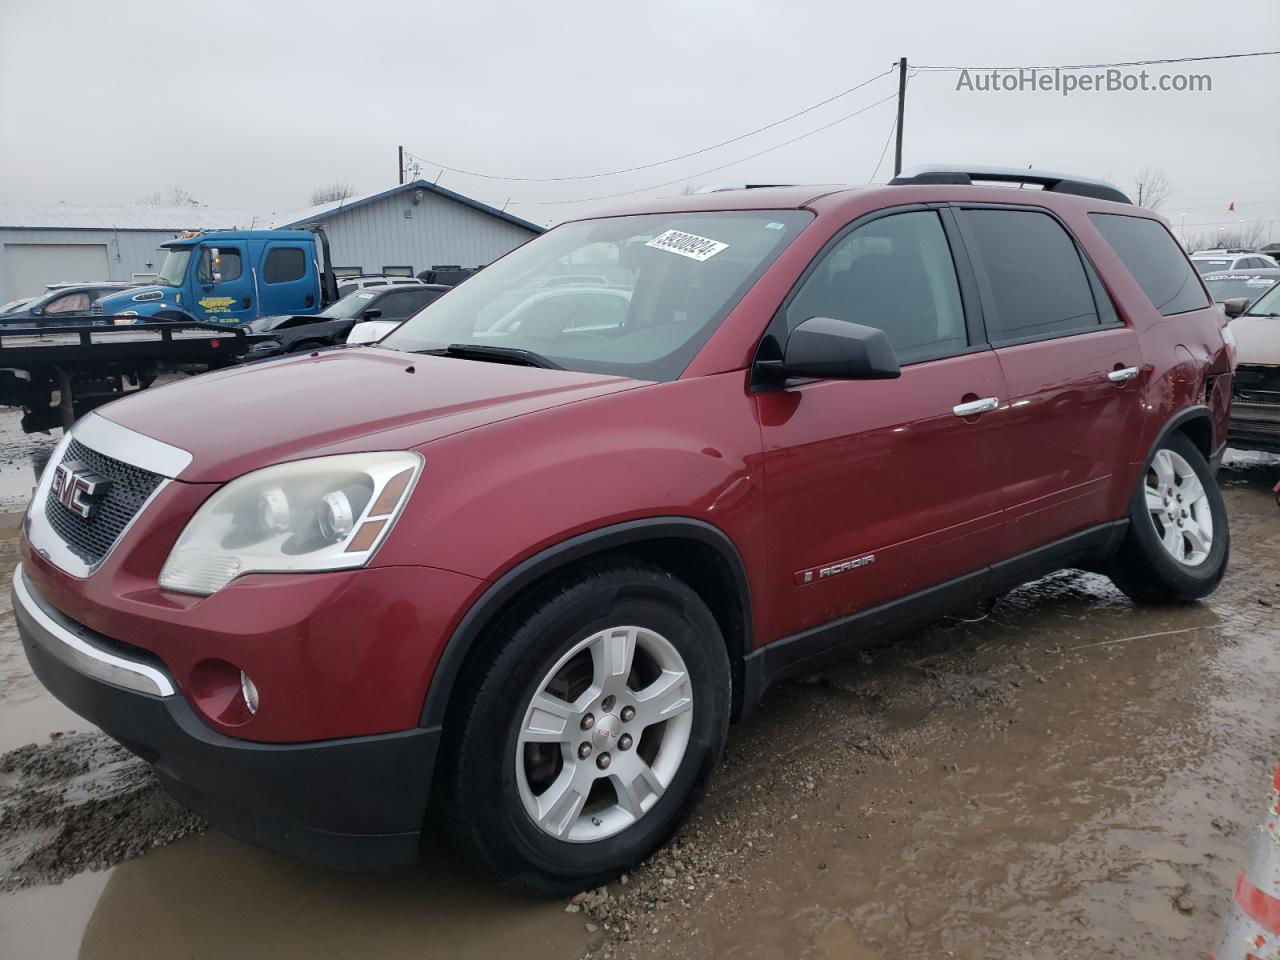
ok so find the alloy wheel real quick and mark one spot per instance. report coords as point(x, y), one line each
point(604, 734)
point(1179, 508)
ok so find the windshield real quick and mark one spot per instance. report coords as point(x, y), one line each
point(1230, 288)
point(632, 296)
point(1211, 266)
point(174, 269)
point(1267, 305)
point(349, 306)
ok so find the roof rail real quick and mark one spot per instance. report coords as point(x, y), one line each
point(1053, 182)
point(721, 187)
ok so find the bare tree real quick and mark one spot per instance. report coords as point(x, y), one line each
point(330, 192)
point(1247, 236)
point(1151, 187)
point(175, 196)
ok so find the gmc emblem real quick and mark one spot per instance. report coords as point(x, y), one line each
point(77, 489)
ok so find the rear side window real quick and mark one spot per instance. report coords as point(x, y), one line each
point(284, 264)
point(1032, 276)
point(1155, 260)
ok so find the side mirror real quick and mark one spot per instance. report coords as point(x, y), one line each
point(1235, 306)
point(831, 349)
point(373, 313)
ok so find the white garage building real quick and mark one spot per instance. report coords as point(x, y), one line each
point(408, 228)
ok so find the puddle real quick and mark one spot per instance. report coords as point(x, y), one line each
point(22, 458)
point(211, 897)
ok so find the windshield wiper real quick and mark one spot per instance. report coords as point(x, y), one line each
point(482, 351)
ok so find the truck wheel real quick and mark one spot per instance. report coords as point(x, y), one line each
point(590, 730)
point(1178, 541)
point(309, 346)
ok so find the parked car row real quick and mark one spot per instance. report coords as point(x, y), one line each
point(1220, 261)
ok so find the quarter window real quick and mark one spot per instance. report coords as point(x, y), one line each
point(894, 273)
point(1155, 260)
point(284, 264)
point(1032, 276)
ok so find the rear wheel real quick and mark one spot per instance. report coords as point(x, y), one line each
point(306, 346)
point(1178, 541)
point(591, 732)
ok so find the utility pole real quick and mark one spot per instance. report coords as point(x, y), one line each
point(401, 165)
point(902, 106)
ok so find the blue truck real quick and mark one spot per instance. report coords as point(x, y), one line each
point(232, 277)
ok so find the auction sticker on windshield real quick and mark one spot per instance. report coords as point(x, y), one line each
point(687, 245)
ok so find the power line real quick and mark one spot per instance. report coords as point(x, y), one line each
point(1103, 66)
point(659, 163)
point(703, 173)
point(887, 140)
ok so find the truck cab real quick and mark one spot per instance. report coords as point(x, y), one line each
point(232, 277)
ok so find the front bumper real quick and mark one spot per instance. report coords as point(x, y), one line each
point(356, 803)
point(1254, 426)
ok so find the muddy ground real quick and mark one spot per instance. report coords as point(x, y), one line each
point(1072, 776)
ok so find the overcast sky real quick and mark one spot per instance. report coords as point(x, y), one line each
point(254, 104)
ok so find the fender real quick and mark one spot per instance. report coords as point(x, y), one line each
point(1180, 419)
point(483, 612)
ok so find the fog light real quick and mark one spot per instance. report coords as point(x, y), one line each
point(249, 692)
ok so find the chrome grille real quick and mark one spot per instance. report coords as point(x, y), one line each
point(92, 538)
point(95, 310)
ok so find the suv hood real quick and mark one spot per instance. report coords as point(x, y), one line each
point(1257, 339)
point(340, 401)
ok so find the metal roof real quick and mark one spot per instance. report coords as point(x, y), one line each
point(291, 218)
point(173, 219)
point(140, 216)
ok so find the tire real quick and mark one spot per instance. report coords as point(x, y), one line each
point(495, 782)
point(1145, 568)
point(306, 346)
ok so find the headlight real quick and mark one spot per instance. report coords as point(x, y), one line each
point(125, 317)
point(264, 346)
point(329, 513)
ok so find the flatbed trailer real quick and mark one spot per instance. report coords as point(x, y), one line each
point(87, 362)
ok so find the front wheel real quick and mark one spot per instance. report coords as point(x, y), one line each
point(1178, 541)
point(591, 731)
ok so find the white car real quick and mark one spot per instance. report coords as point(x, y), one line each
point(1220, 261)
point(351, 284)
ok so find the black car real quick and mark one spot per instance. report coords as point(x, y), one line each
point(62, 302)
point(297, 334)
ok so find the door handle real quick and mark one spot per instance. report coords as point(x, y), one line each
point(975, 407)
point(1122, 376)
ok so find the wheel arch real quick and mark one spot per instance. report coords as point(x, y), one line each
point(697, 552)
point(1196, 422)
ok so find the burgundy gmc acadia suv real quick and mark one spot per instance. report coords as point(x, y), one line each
point(516, 568)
